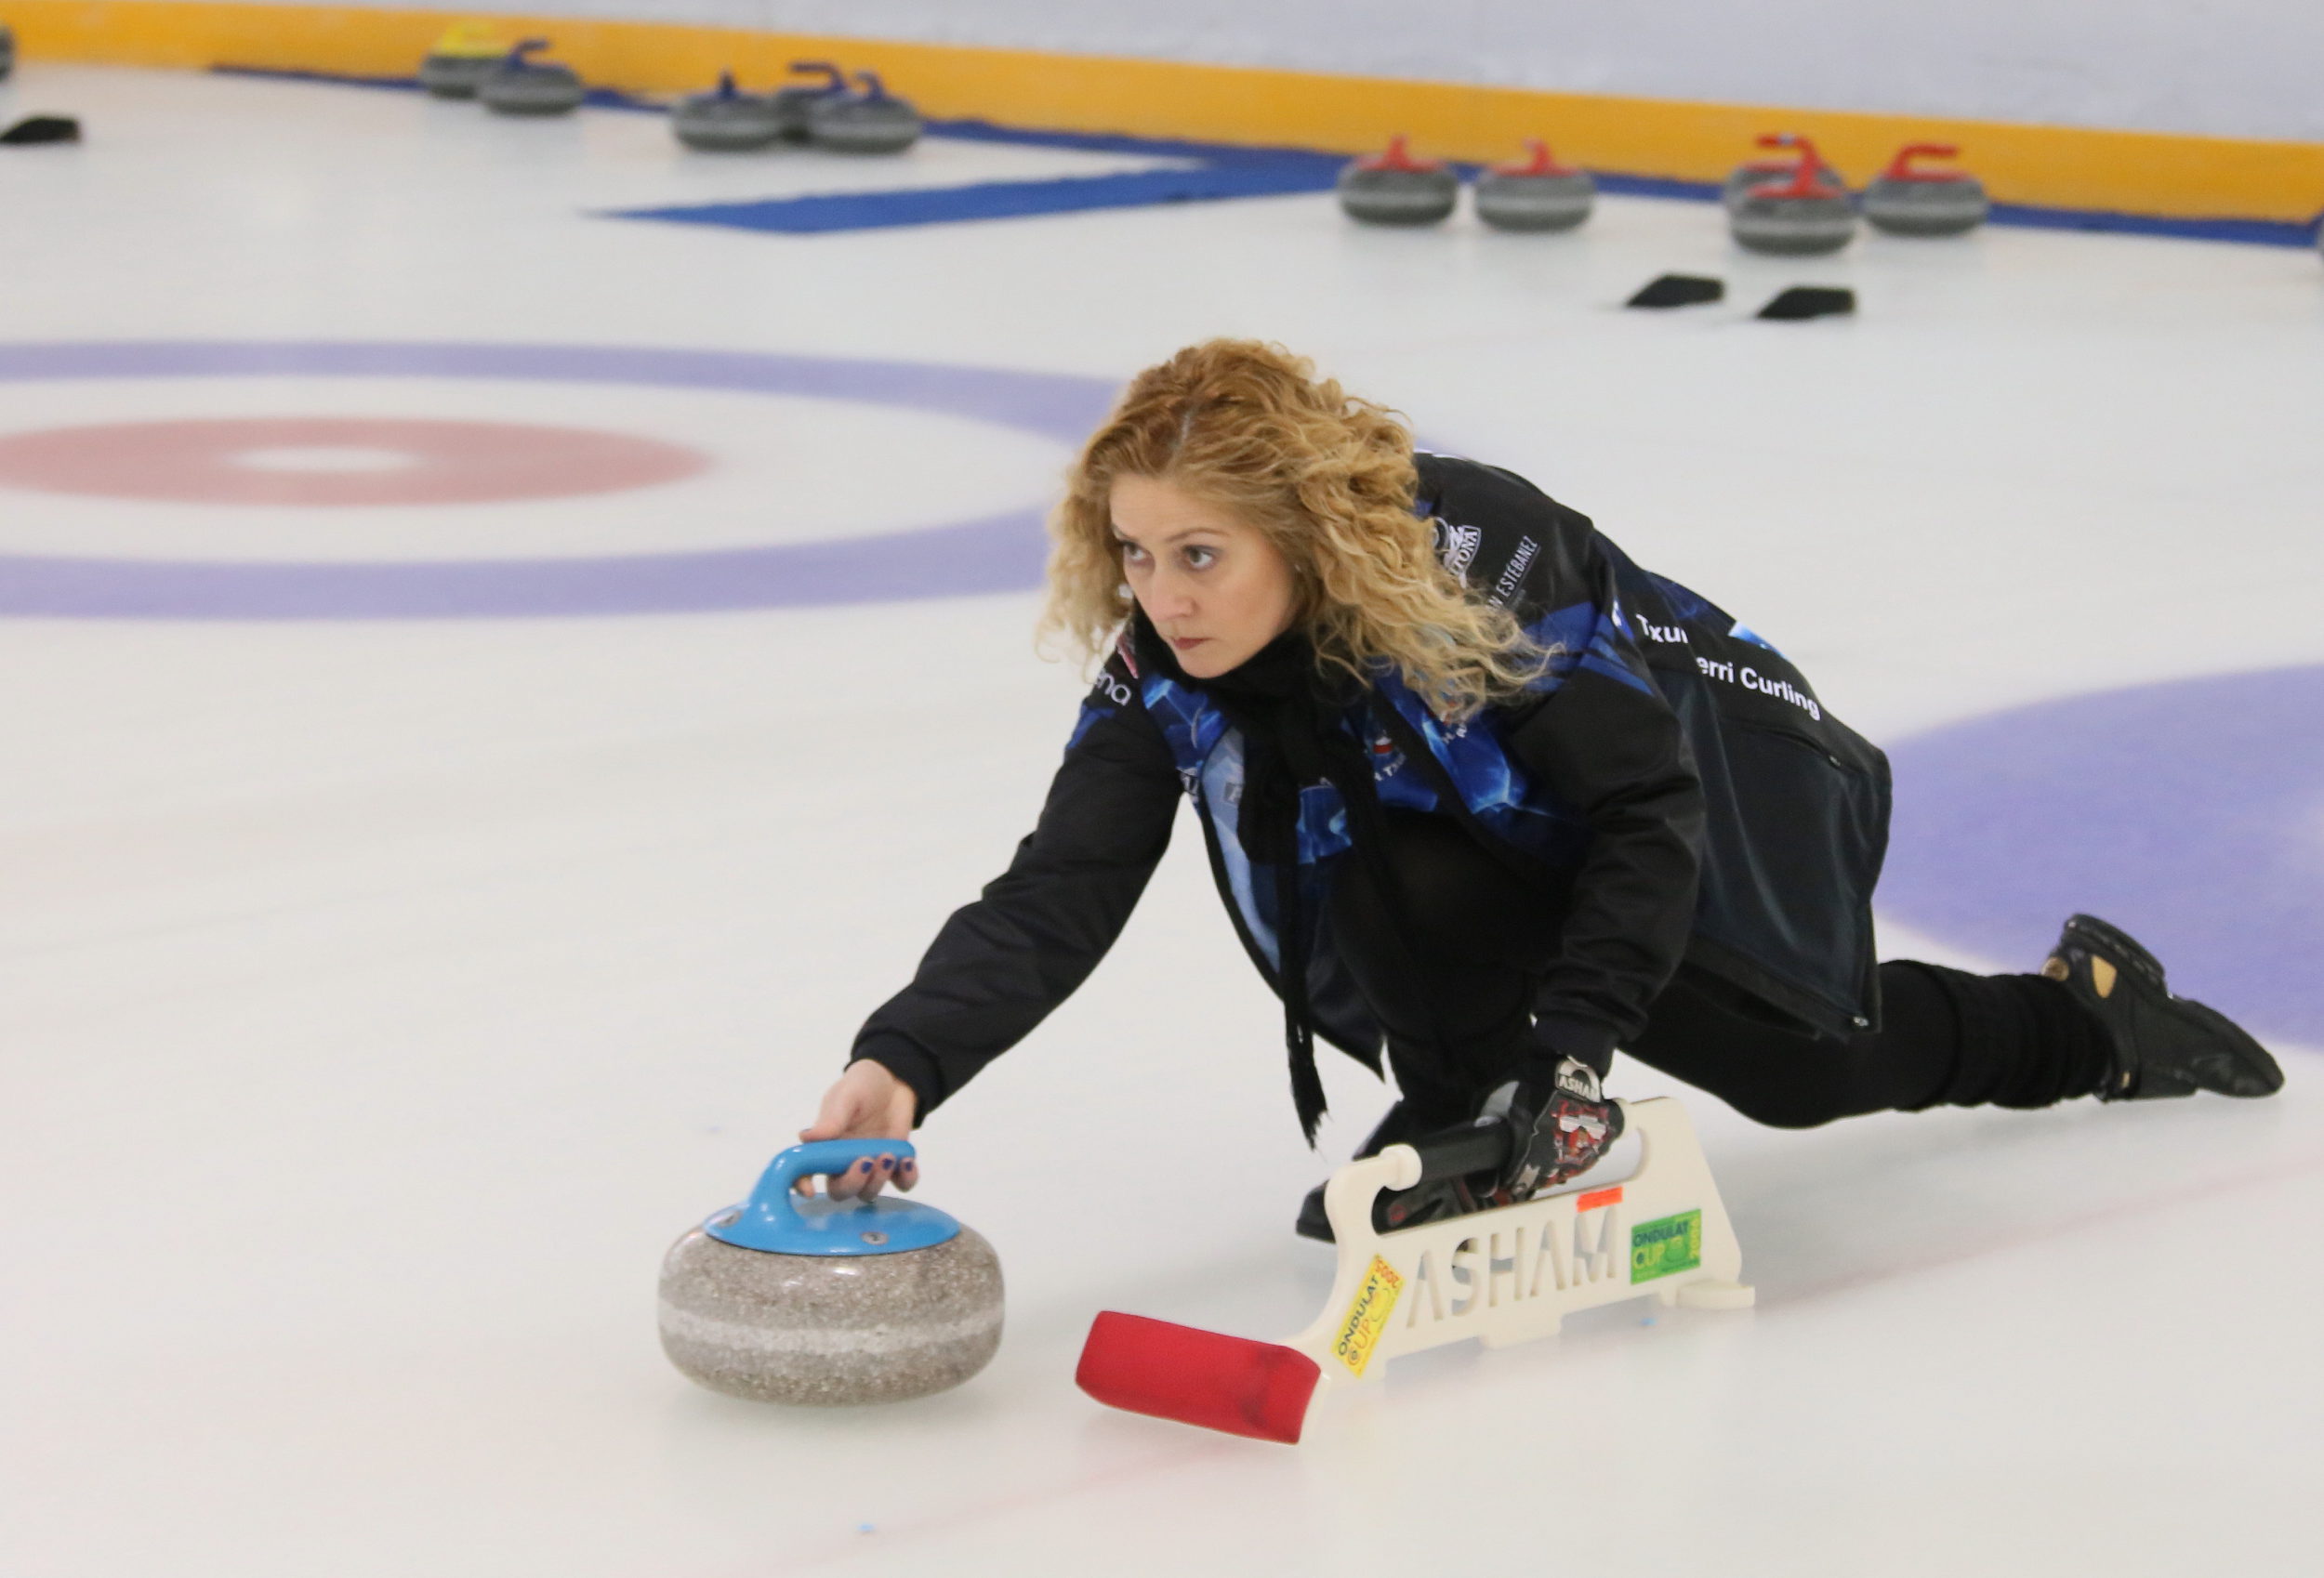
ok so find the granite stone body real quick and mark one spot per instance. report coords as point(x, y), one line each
point(1949, 206)
point(794, 107)
point(845, 124)
point(1397, 197)
point(1779, 222)
point(457, 76)
point(726, 122)
point(531, 88)
point(1743, 177)
point(1508, 201)
point(830, 1330)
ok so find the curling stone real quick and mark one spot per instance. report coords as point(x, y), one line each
point(871, 120)
point(787, 1298)
point(1539, 194)
point(461, 59)
point(725, 121)
point(1395, 188)
point(518, 85)
point(795, 103)
point(1906, 201)
point(1760, 172)
point(1801, 218)
point(8, 51)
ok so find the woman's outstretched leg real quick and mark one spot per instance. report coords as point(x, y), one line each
point(2098, 1020)
point(1944, 1036)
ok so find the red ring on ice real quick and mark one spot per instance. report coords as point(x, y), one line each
point(338, 461)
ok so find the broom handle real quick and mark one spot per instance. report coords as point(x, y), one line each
point(1452, 1153)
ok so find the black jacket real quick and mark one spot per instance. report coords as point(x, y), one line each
point(1673, 780)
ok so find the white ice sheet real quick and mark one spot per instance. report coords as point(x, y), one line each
point(378, 1000)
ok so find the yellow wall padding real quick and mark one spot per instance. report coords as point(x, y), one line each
point(2061, 166)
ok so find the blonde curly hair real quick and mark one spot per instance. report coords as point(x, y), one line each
point(1328, 479)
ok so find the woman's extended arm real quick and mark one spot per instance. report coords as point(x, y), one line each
point(1604, 739)
point(1612, 748)
point(1000, 965)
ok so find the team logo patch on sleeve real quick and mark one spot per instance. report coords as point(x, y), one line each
point(1457, 546)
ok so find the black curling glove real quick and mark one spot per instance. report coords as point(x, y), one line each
point(1560, 1126)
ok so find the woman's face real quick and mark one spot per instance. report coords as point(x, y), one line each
point(1214, 588)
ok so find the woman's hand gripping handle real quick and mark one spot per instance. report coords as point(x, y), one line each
point(868, 1103)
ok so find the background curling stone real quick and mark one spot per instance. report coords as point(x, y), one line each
point(725, 121)
point(461, 59)
point(34, 129)
point(1678, 290)
point(795, 103)
point(829, 1302)
point(8, 51)
point(1802, 302)
point(1908, 202)
point(521, 87)
point(1539, 194)
point(1760, 172)
point(1803, 218)
point(870, 121)
point(1395, 188)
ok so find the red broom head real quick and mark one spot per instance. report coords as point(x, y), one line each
point(1197, 1377)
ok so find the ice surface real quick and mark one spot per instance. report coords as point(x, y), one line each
point(378, 1000)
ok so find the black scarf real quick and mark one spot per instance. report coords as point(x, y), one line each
point(1291, 713)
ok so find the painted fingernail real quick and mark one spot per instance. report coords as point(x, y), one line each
point(864, 1166)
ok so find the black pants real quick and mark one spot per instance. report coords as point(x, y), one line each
point(1452, 975)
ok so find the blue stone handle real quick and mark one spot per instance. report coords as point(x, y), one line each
point(817, 1158)
point(774, 1218)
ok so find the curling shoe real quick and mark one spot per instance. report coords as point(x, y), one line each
point(2161, 1045)
point(1395, 1208)
point(1312, 1222)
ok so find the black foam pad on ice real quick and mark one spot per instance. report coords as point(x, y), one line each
point(1810, 302)
point(1678, 290)
point(43, 128)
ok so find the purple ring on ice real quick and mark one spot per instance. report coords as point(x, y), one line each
point(2190, 812)
point(993, 553)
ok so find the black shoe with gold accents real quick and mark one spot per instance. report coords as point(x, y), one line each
point(1429, 1201)
point(2161, 1045)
